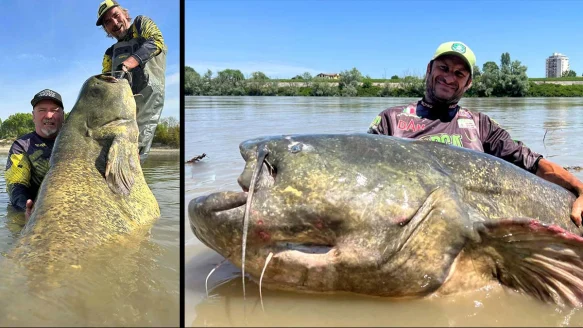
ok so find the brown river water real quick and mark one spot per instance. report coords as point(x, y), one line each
point(216, 125)
point(135, 284)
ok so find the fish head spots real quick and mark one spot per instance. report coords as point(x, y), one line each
point(102, 100)
point(263, 235)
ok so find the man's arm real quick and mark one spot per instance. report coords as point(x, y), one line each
point(17, 176)
point(499, 143)
point(106, 64)
point(557, 174)
point(153, 45)
point(380, 125)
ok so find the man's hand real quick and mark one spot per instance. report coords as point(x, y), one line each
point(576, 211)
point(130, 63)
point(557, 174)
point(30, 204)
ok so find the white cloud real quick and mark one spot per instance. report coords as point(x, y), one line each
point(36, 57)
point(271, 69)
point(172, 79)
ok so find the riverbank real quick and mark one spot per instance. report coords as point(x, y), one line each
point(414, 88)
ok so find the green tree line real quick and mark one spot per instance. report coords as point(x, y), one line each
point(504, 79)
point(16, 125)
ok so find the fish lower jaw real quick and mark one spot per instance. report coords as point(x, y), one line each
point(305, 267)
point(288, 258)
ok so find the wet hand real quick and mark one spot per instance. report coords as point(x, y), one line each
point(28, 211)
point(576, 211)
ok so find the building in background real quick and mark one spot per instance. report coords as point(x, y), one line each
point(556, 65)
point(334, 76)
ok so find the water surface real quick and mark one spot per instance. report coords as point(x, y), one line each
point(135, 284)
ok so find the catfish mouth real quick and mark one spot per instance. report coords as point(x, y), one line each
point(115, 76)
point(209, 215)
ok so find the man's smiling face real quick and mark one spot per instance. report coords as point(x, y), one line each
point(116, 22)
point(48, 118)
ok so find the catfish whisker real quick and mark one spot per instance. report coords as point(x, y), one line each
point(261, 154)
point(208, 276)
point(261, 278)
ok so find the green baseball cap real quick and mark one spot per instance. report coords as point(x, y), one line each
point(103, 8)
point(459, 49)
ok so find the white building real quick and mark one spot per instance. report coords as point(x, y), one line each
point(557, 64)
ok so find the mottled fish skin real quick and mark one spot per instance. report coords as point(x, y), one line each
point(379, 215)
point(78, 208)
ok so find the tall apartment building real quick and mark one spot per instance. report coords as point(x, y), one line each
point(557, 64)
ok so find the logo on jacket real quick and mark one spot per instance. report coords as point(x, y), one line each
point(410, 126)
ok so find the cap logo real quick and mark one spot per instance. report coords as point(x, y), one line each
point(458, 47)
point(47, 93)
point(101, 9)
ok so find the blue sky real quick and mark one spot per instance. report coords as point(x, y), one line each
point(284, 38)
point(56, 45)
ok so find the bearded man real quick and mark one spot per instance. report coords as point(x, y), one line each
point(140, 50)
point(29, 155)
point(438, 117)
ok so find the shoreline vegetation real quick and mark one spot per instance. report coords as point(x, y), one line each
point(166, 137)
point(506, 79)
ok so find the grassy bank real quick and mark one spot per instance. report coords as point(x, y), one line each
point(412, 89)
point(397, 80)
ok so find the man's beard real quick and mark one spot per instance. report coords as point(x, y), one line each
point(435, 100)
point(49, 131)
point(119, 37)
point(122, 36)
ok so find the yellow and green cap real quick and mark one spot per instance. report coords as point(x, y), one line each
point(103, 8)
point(458, 49)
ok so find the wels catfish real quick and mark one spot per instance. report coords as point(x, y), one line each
point(392, 217)
point(94, 192)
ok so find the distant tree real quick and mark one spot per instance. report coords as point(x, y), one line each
point(230, 75)
point(490, 66)
point(394, 77)
point(349, 78)
point(192, 82)
point(569, 73)
point(412, 86)
point(505, 61)
point(259, 76)
point(367, 82)
point(167, 132)
point(307, 76)
point(484, 85)
point(255, 85)
point(17, 125)
point(477, 72)
point(507, 80)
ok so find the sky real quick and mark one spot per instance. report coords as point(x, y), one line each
point(56, 45)
point(380, 38)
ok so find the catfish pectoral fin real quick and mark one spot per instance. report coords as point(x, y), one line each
point(544, 261)
point(119, 169)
